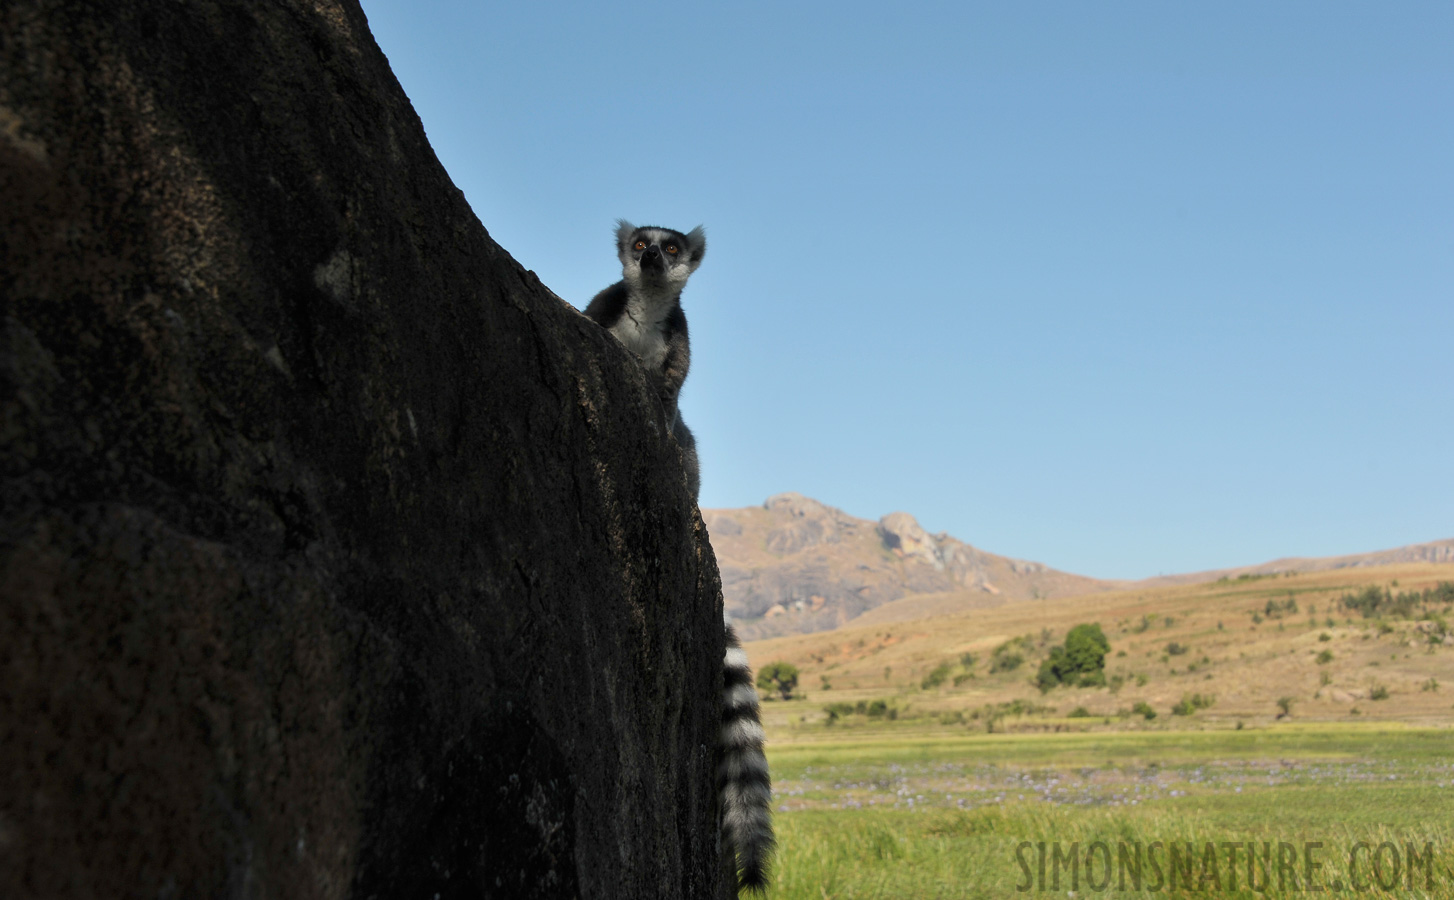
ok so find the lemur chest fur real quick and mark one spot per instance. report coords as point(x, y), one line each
point(643, 329)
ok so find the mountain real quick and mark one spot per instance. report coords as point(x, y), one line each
point(796, 566)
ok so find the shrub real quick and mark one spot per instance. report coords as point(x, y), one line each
point(1378, 692)
point(967, 660)
point(1080, 712)
point(1081, 660)
point(1374, 602)
point(1284, 705)
point(779, 676)
point(1438, 627)
point(1175, 649)
point(1190, 703)
point(1142, 708)
point(1006, 662)
point(1325, 657)
point(938, 676)
point(1010, 655)
point(1431, 685)
point(1325, 637)
point(1276, 609)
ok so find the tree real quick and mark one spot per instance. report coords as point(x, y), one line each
point(1086, 647)
point(1082, 659)
point(779, 676)
point(1054, 670)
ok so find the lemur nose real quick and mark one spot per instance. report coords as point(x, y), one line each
point(653, 250)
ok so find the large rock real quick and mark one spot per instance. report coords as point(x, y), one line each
point(338, 557)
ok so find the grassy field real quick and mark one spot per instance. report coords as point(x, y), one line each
point(956, 787)
point(907, 817)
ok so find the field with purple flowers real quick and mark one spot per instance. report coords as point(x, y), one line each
point(1256, 812)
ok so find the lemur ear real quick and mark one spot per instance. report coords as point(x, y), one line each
point(624, 229)
point(697, 238)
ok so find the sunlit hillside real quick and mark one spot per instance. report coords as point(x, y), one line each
point(1227, 650)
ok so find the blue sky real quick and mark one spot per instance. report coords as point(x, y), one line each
point(1125, 288)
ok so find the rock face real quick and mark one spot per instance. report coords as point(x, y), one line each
point(338, 557)
point(796, 565)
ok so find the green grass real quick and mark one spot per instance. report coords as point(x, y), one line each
point(944, 818)
point(1295, 740)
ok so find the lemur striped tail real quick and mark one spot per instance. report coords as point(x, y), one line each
point(742, 779)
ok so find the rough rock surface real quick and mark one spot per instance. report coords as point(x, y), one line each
point(338, 557)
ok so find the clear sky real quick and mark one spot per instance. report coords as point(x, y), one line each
point(1125, 288)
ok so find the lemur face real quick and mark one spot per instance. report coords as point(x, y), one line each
point(659, 256)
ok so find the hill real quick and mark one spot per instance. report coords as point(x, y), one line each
point(1241, 643)
point(795, 565)
point(1433, 552)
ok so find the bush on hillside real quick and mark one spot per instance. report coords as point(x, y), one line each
point(1080, 661)
point(938, 676)
point(780, 677)
point(1374, 602)
point(1009, 656)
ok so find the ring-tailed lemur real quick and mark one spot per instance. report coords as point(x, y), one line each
point(644, 311)
point(743, 783)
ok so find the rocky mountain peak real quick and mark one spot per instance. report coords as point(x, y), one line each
point(795, 564)
point(902, 534)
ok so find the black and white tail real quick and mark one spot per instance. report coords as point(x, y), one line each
point(742, 779)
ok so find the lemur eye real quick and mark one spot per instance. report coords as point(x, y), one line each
point(641, 245)
point(672, 249)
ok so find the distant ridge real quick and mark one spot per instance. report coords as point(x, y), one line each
point(1433, 552)
point(795, 566)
